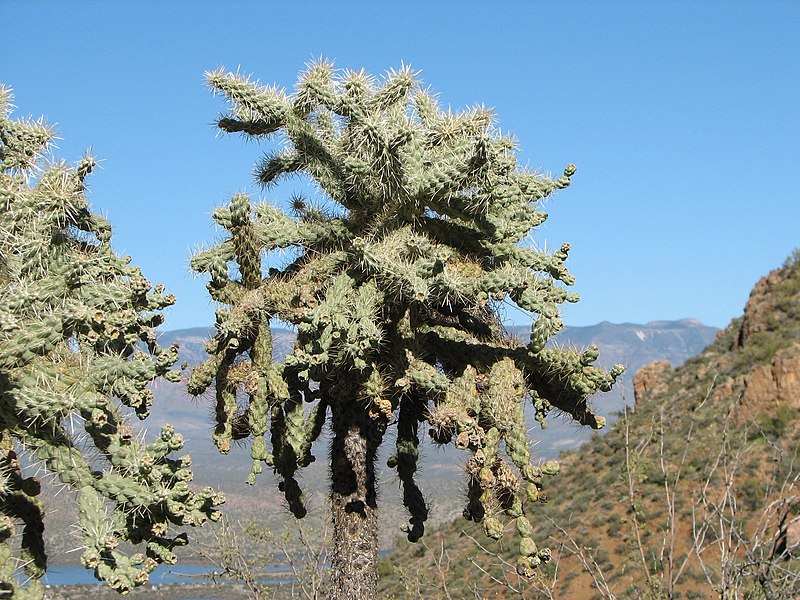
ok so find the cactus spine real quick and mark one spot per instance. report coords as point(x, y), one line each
point(77, 350)
point(399, 271)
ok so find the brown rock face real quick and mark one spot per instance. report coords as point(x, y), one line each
point(793, 538)
point(764, 310)
point(777, 382)
point(649, 379)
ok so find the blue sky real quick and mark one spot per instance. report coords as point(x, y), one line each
point(683, 119)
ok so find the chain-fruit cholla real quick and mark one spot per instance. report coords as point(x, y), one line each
point(77, 352)
point(399, 262)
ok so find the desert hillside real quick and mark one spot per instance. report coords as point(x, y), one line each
point(693, 494)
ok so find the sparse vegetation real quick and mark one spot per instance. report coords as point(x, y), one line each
point(793, 260)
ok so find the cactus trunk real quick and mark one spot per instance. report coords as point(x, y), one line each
point(354, 566)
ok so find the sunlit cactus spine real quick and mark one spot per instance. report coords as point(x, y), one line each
point(77, 352)
point(401, 260)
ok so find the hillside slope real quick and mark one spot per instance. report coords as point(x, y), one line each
point(692, 495)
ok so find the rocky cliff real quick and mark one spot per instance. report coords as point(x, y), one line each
point(756, 359)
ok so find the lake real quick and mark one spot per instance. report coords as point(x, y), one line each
point(77, 575)
point(164, 574)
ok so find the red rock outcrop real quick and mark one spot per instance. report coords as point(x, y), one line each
point(649, 379)
point(777, 382)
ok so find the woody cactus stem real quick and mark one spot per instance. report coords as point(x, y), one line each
point(398, 267)
point(354, 504)
point(77, 352)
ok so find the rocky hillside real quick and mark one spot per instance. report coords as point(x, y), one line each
point(694, 494)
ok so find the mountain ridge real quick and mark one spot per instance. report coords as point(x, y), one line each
point(675, 341)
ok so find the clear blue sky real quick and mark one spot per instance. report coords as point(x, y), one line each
point(683, 119)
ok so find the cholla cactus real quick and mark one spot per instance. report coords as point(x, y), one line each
point(398, 272)
point(77, 350)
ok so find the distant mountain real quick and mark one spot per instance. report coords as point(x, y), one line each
point(634, 345)
point(630, 344)
point(193, 341)
point(696, 494)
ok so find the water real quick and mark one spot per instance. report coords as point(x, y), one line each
point(163, 574)
point(75, 575)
